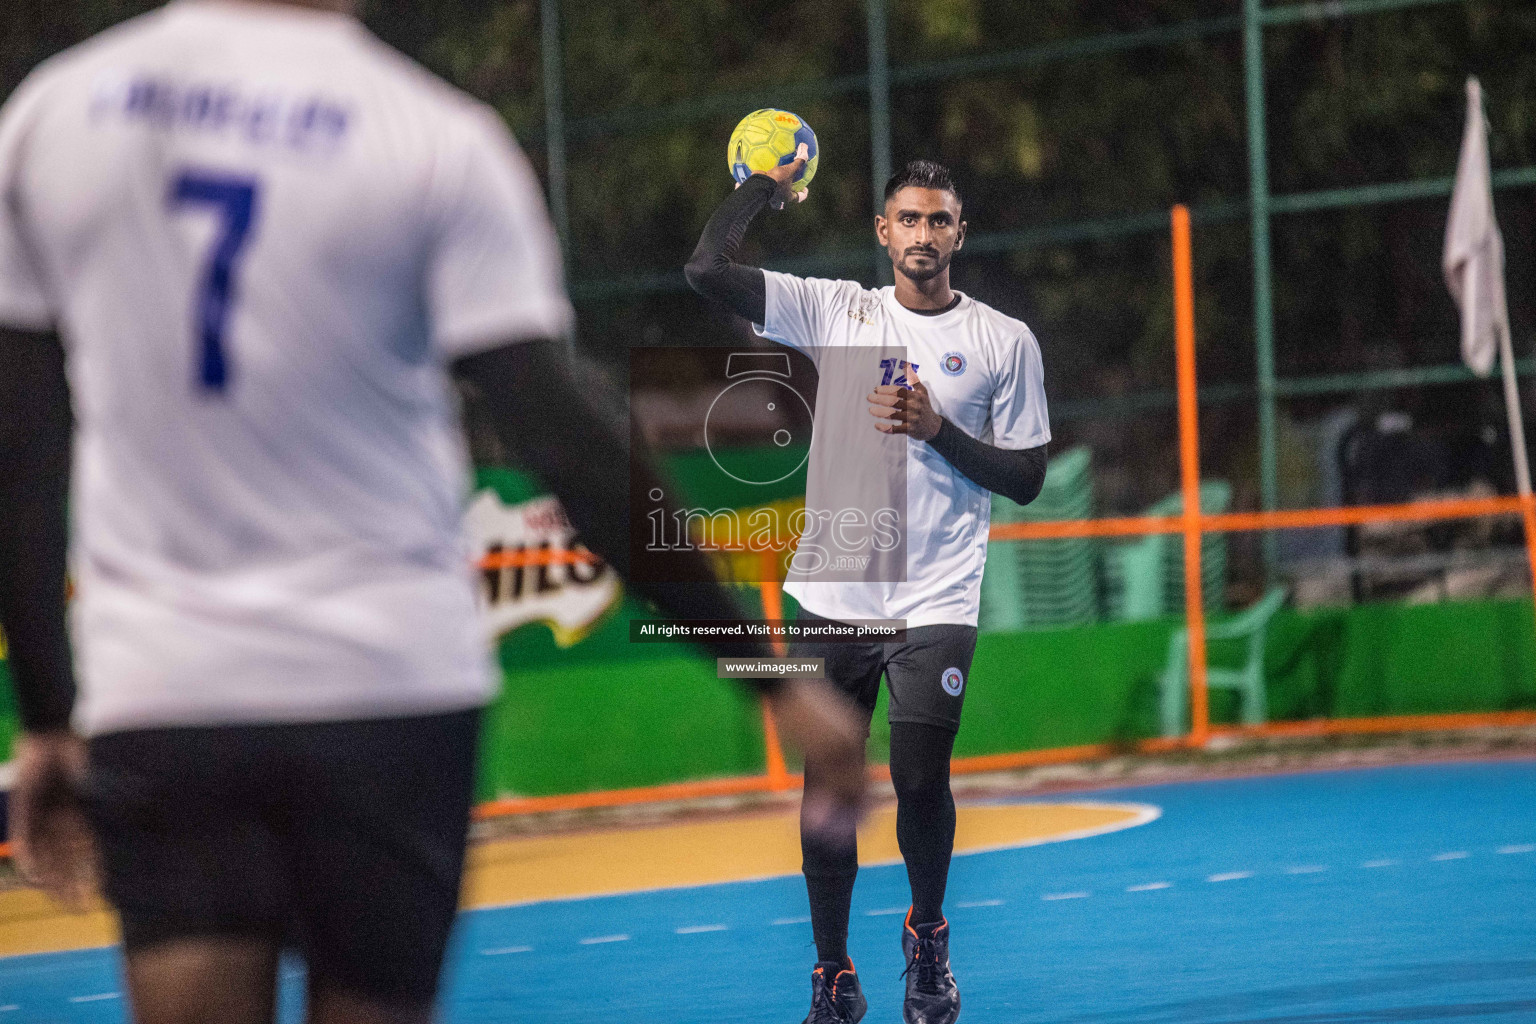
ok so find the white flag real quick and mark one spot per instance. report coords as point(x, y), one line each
point(1474, 252)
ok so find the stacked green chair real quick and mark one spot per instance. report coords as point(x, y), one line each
point(1215, 498)
point(1002, 590)
point(1251, 626)
point(1042, 584)
point(1144, 579)
point(1133, 580)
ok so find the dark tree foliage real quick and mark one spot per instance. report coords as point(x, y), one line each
point(653, 87)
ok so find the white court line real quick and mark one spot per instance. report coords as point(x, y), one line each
point(980, 903)
point(1453, 855)
point(1380, 864)
point(1140, 814)
point(1523, 848)
point(93, 999)
point(599, 939)
point(1137, 814)
point(1066, 896)
point(1229, 876)
point(1306, 869)
point(791, 920)
point(1148, 886)
point(883, 913)
point(505, 950)
point(696, 929)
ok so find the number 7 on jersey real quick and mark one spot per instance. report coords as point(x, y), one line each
point(235, 200)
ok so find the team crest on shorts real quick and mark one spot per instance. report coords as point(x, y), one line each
point(953, 364)
point(952, 681)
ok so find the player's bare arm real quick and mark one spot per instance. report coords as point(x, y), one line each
point(49, 834)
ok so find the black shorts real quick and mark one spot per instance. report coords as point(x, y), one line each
point(926, 673)
point(344, 840)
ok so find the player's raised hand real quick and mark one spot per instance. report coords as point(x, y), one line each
point(784, 174)
point(51, 841)
point(904, 410)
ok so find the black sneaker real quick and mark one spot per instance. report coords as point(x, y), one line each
point(836, 997)
point(932, 997)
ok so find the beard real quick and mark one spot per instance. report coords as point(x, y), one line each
point(923, 273)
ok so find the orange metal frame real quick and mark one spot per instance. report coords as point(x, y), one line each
point(1192, 524)
point(1189, 470)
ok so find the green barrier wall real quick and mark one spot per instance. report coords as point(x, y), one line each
point(9, 722)
point(609, 714)
point(611, 723)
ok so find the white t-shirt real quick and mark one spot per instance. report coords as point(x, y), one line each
point(262, 234)
point(983, 373)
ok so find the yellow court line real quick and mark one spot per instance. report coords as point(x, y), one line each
point(32, 923)
point(609, 861)
point(741, 848)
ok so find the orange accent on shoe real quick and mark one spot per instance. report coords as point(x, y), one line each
point(840, 974)
point(907, 923)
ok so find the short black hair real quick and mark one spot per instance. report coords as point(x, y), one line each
point(923, 174)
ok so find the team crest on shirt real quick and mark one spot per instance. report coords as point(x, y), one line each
point(953, 681)
point(952, 364)
point(866, 309)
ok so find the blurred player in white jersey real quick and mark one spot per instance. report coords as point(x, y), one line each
point(245, 241)
point(972, 405)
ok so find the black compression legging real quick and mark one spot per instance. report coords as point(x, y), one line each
point(925, 831)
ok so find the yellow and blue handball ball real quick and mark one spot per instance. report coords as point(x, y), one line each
point(767, 138)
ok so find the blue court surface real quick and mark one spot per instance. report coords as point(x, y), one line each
point(1350, 897)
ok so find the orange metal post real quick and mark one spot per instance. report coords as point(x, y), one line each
point(669, 792)
point(773, 608)
point(1385, 724)
point(1189, 464)
point(1287, 519)
point(773, 598)
point(778, 773)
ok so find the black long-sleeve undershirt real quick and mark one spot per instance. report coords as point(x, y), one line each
point(34, 492)
point(713, 272)
point(1016, 473)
